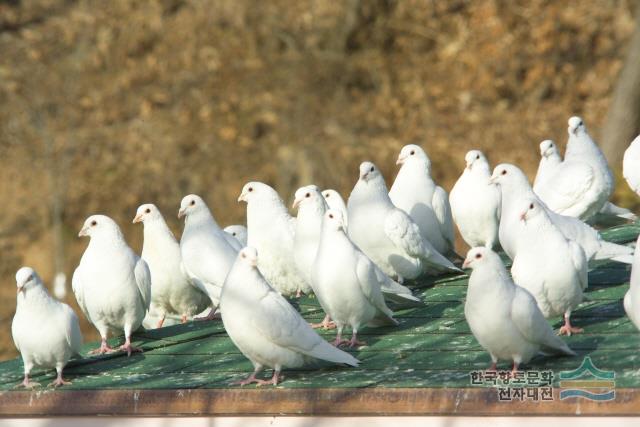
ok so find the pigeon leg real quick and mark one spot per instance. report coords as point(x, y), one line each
point(250, 379)
point(161, 321)
point(129, 348)
point(211, 316)
point(567, 329)
point(274, 379)
point(354, 341)
point(515, 367)
point(104, 348)
point(298, 293)
point(339, 341)
point(183, 319)
point(326, 323)
point(59, 381)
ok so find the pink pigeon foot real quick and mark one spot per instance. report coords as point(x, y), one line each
point(567, 329)
point(129, 348)
point(298, 293)
point(104, 348)
point(183, 319)
point(515, 368)
point(26, 383)
point(353, 342)
point(59, 381)
point(211, 316)
point(326, 323)
point(160, 322)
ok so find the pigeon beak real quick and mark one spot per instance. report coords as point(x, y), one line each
point(83, 232)
point(523, 217)
point(253, 262)
point(493, 180)
point(243, 197)
point(181, 213)
point(468, 167)
point(20, 289)
point(137, 219)
point(466, 263)
point(400, 160)
point(364, 176)
point(296, 203)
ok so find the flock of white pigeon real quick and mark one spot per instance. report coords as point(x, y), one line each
point(353, 257)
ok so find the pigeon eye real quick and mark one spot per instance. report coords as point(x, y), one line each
point(326, 196)
point(412, 152)
point(30, 278)
point(331, 216)
point(147, 210)
point(233, 234)
point(478, 256)
point(372, 169)
point(531, 206)
point(504, 172)
point(193, 202)
point(307, 195)
point(244, 255)
point(94, 223)
point(580, 123)
point(250, 189)
point(477, 156)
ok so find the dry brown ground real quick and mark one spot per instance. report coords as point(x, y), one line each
point(111, 104)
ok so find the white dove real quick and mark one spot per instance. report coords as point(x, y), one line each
point(631, 165)
point(475, 202)
point(207, 255)
point(45, 331)
point(515, 188)
point(504, 317)
point(549, 159)
point(388, 235)
point(171, 290)
point(632, 297)
point(271, 231)
point(547, 264)
point(347, 283)
point(239, 232)
point(265, 327)
point(112, 284)
point(582, 183)
point(336, 202)
point(415, 192)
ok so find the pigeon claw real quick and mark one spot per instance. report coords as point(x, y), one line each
point(353, 342)
point(211, 316)
point(104, 348)
point(339, 341)
point(26, 383)
point(568, 330)
point(59, 382)
point(130, 349)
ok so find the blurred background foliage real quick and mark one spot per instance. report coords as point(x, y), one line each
point(105, 105)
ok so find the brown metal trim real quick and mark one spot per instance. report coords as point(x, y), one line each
point(265, 401)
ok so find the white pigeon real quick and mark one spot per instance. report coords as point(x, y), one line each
point(583, 182)
point(172, 292)
point(415, 192)
point(336, 202)
point(547, 264)
point(265, 327)
point(549, 159)
point(112, 284)
point(387, 234)
point(271, 231)
point(515, 188)
point(632, 297)
point(475, 202)
point(45, 331)
point(347, 283)
point(504, 317)
point(207, 255)
point(239, 232)
point(631, 165)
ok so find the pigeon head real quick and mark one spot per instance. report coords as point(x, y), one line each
point(330, 193)
point(307, 195)
point(475, 157)
point(479, 256)
point(333, 220)
point(190, 205)
point(576, 126)
point(414, 154)
point(97, 225)
point(369, 172)
point(27, 278)
point(147, 212)
point(531, 209)
point(249, 255)
point(506, 173)
point(257, 191)
point(547, 148)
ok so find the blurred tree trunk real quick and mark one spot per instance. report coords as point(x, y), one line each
point(623, 118)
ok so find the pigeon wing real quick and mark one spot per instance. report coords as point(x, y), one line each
point(567, 186)
point(370, 285)
point(143, 281)
point(78, 291)
point(579, 260)
point(442, 209)
point(72, 329)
